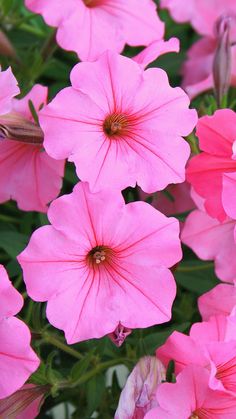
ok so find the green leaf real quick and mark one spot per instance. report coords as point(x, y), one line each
point(154, 340)
point(94, 393)
point(81, 367)
point(196, 276)
point(13, 242)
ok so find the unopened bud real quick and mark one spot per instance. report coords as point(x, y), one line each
point(17, 128)
point(119, 335)
point(138, 395)
point(222, 64)
point(24, 403)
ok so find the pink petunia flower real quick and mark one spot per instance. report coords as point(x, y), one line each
point(17, 360)
point(90, 27)
point(106, 259)
point(138, 395)
point(205, 17)
point(118, 128)
point(206, 171)
point(191, 398)
point(220, 300)
point(27, 173)
point(212, 240)
point(202, 14)
point(212, 345)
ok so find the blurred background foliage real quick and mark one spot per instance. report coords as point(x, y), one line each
point(78, 373)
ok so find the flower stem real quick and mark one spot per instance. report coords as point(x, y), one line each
point(195, 268)
point(53, 340)
point(93, 372)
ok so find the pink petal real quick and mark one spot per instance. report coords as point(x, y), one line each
point(38, 95)
point(17, 359)
point(90, 31)
point(11, 299)
point(155, 50)
point(8, 89)
point(28, 175)
point(228, 194)
point(183, 350)
point(217, 133)
point(212, 240)
point(220, 300)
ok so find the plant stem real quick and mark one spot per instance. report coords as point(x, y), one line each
point(53, 340)
point(194, 268)
point(93, 372)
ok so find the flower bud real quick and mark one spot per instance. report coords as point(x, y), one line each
point(24, 403)
point(222, 64)
point(138, 395)
point(17, 128)
point(119, 335)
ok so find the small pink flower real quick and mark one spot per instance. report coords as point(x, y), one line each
point(17, 359)
point(206, 171)
point(138, 395)
point(90, 27)
point(191, 398)
point(212, 240)
point(120, 125)
point(212, 345)
point(27, 174)
point(119, 335)
point(205, 17)
point(220, 300)
point(24, 403)
point(106, 259)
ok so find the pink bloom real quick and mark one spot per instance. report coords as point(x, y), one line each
point(204, 17)
point(191, 398)
point(155, 50)
point(17, 359)
point(212, 240)
point(24, 403)
point(206, 171)
point(8, 90)
point(122, 130)
point(175, 199)
point(106, 259)
point(90, 27)
point(220, 300)
point(138, 395)
point(211, 345)
point(27, 174)
point(197, 70)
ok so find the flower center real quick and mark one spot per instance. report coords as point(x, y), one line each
point(93, 3)
point(115, 124)
point(194, 416)
point(98, 255)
